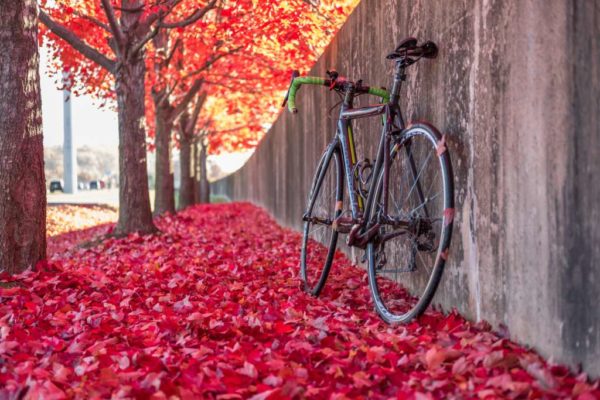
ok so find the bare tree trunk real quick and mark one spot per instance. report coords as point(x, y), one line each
point(186, 191)
point(204, 184)
point(196, 172)
point(134, 200)
point(164, 195)
point(22, 183)
point(196, 183)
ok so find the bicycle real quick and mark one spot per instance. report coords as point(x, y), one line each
point(393, 215)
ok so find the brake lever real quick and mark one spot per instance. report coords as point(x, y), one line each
point(333, 75)
point(295, 74)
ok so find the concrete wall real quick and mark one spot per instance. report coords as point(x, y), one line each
point(516, 87)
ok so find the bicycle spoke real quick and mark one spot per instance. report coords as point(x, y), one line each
point(398, 209)
point(395, 271)
point(434, 180)
point(427, 200)
point(428, 270)
point(418, 176)
point(320, 228)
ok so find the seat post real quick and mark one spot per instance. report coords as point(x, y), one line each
point(399, 77)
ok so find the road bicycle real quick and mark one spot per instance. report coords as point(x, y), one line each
point(399, 207)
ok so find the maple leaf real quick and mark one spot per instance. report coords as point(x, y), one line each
point(248, 369)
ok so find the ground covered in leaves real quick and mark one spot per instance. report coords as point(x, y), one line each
point(67, 218)
point(212, 308)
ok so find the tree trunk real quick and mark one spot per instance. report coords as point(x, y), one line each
point(186, 191)
point(196, 181)
point(22, 183)
point(204, 184)
point(164, 195)
point(134, 201)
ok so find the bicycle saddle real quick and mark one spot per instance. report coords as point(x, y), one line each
point(408, 43)
point(409, 48)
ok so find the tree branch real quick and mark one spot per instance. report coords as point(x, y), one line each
point(196, 15)
point(189, 96)
point(212, 61)
point(172, 87)
point(172, 53)
point(137, 9)
point(140, 45)
point(95, 21)
point(112, 21)
point(159, 14)
point(78, 44)
point(197, 107)
point(232, 88)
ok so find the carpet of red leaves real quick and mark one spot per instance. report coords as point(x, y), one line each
point(212, 308)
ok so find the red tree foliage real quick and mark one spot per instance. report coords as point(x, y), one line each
point(103, 40)
point(225, 48)
point(239, 56)
point(240, 46)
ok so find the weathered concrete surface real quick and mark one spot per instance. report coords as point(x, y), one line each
point(517, 88)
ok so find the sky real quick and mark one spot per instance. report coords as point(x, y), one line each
point(91, 126)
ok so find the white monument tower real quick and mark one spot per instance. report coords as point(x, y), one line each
point(69, 149)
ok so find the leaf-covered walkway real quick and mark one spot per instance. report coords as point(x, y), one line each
point(212, 308)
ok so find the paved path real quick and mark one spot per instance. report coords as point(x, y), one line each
point(104, 196)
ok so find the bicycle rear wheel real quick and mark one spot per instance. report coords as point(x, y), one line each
point(319, 240)
point(412, 246)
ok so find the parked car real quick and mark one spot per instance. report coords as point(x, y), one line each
point(94, 185)
point(56, 185)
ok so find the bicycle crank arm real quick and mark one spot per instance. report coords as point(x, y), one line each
point(345, 224)
point(391, 235)
point(360, 240)
point(316, 220)
point(397, 223)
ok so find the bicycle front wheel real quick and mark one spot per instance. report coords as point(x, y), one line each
point(324, 206)
point(414, 235)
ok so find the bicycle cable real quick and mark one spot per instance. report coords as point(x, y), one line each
point(335, 105)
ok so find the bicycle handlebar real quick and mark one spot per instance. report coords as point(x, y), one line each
point(295, 74)
point(380, 92)
point(296, 83)
point(290, 97)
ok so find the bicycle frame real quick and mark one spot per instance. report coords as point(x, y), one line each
point(345, 138)
point(393, 121)
point(360, 228)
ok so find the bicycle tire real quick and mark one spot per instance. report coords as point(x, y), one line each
point(403, 310)
point(312, 252)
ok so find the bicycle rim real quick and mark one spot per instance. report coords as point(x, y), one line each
point(405, 270)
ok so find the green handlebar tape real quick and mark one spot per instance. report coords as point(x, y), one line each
point(301, 80)
point(314, 80)
point(380, 92)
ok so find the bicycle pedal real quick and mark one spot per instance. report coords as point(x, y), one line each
point(343, 224)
